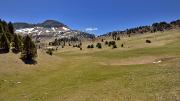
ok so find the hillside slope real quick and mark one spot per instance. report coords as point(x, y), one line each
point(138, 72)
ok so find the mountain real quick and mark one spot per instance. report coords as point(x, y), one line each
point(20, 25)
point(52, 23)
point(45, 24)
point(49, 29)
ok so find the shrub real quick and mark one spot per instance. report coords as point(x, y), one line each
point(89, 46)
point(106, 42)
point(122, 45)
point(114, 46)
point(50, 52)
point(148, 41)
point(92, 46)
point(74, 45)
point(98, 45)
point(111, 43)
point(80, 44)
point(118, 38)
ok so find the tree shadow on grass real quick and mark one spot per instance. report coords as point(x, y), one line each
point(3, 51)
point(29, 61)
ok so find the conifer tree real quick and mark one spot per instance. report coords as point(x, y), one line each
point(1, 28)
point(11, 28)
point(17, 43)
point(29, 51)
point(4, 42)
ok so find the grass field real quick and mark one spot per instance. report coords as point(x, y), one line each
point(122, 74)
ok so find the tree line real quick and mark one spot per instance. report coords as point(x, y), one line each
point(9, 40)
point(161, 26)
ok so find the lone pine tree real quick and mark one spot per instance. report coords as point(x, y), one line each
point(29, 51)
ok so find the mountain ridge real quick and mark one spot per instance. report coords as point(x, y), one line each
point(46, 24)
point(49, 29)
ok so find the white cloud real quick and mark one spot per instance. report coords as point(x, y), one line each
point(91, 29)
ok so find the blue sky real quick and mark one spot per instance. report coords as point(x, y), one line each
point(99, 15)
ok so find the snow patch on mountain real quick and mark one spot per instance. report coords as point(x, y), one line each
point(66, 29)
point(49, 30)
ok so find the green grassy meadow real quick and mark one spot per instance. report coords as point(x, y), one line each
point(122, 74)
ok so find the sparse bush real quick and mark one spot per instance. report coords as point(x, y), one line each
point(114, 46)
point(106, 42)
point(89, 46)
point(50, 52)
point(118, 38)
point(92, 46)
point(98, 45)
point(122, 45)
point(56, 48)
point(80, 44)
point(111, 43)
point(74, 45)
point(102, 40)
point(80, 48)
point(148, 41)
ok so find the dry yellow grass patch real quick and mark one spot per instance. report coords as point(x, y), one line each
point(10, 63)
